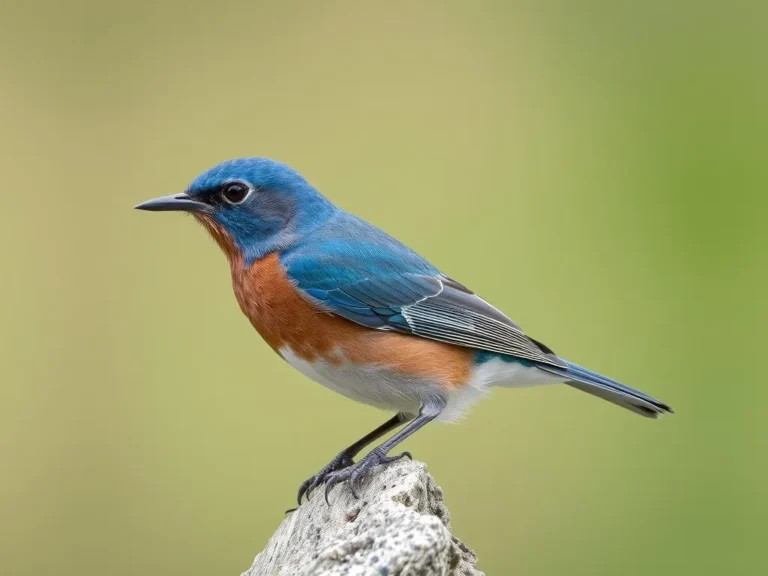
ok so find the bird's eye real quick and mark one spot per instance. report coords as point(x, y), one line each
point(235, 192)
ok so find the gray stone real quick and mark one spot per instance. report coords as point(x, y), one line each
point(399, 527)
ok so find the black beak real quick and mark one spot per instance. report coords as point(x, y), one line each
point(174, 203)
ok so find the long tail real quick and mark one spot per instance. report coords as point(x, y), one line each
point(608, 389)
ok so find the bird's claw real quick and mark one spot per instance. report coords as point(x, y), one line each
point(340, 461)
point(355, 473)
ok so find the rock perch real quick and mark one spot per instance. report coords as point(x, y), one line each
point(399, 527)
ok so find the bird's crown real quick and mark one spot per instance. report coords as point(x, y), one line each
point(261, 173)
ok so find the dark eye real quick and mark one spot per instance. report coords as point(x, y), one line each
point(234, 192)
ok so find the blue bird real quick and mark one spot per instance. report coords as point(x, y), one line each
point(362, 314)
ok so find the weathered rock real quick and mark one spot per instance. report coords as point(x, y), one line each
point(399, 527)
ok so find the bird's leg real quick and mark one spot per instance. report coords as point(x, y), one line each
point(378, 456)
point(344, 458)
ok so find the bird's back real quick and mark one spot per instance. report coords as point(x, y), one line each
point(346, 249)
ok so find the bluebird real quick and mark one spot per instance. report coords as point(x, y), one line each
point(360, 313)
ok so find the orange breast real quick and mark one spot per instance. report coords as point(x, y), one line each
point(284, 317)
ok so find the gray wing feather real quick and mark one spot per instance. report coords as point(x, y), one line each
point(458, 316)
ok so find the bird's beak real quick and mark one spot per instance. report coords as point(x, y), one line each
point(175, 202)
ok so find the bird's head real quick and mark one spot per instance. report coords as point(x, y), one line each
point(251, 206)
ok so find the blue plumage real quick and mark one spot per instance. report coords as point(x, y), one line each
point(352, 269)
point(347, 250)
point(360, 272)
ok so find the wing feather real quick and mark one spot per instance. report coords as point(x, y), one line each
point(468, 320)
point(360, 273)
point(431, 307)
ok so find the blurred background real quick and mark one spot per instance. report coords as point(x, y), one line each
point(595, 169)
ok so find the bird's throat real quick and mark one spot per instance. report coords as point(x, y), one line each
point(222, 238)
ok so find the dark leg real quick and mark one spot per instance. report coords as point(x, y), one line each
point(344, 458)
point(378, 456)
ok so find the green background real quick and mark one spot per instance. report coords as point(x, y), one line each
point(595, 169)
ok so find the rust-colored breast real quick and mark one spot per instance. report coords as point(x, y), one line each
point(284, 317)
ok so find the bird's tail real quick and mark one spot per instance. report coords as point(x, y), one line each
point(608, 389)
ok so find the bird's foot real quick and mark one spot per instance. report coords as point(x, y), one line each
point(341, 461)
point(356, 472)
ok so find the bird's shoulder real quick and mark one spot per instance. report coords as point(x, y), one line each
point(347, 249)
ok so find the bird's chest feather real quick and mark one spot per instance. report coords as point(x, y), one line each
point(286, 319)
point(300, 330)
point(272, 303)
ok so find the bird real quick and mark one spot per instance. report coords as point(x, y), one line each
point(357, 311)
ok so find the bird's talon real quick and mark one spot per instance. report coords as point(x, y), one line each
point(355, 473)
point(303, 489)
point(341, 461)
point(343, 469)
point(329, 484)
point(314, 484)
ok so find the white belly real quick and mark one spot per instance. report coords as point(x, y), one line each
point(495, 372)
point(384, 388)
point(371, 384)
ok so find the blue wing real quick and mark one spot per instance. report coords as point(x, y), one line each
point(364, 275)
